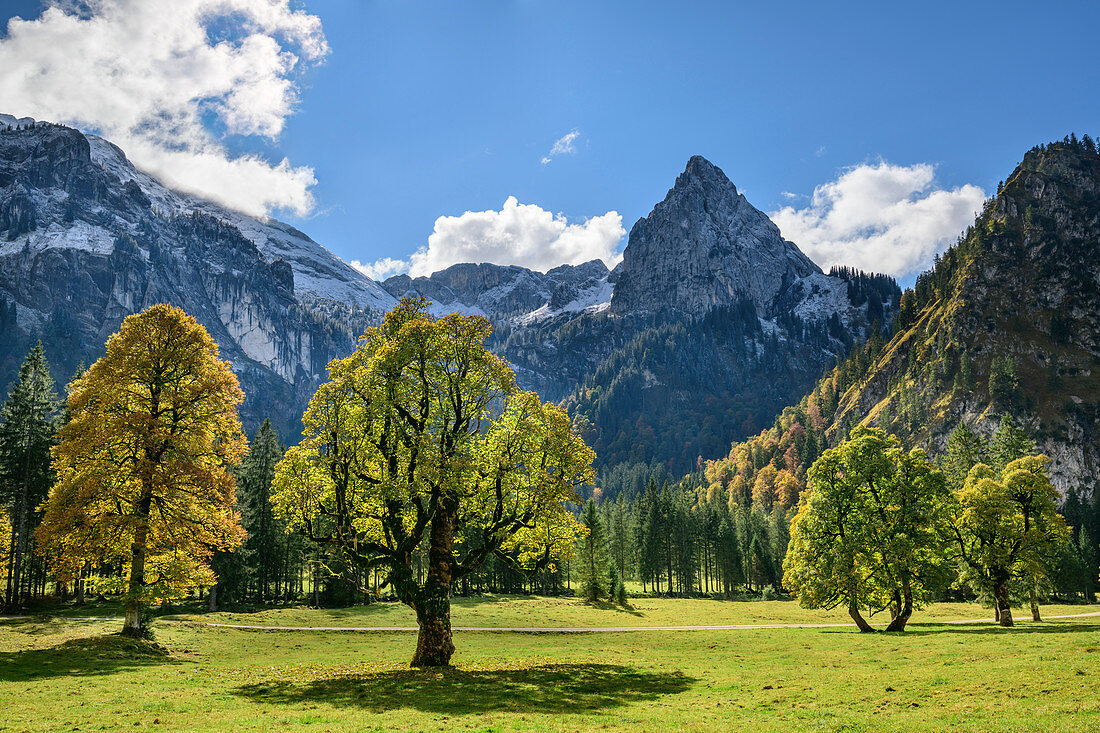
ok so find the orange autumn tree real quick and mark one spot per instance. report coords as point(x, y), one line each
point(142, 466)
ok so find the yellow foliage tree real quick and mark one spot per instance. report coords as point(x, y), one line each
point(141, 467)
point(421, 436)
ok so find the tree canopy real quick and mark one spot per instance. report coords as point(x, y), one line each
point(420, 436)
point(1008, 528)
point(142, 466)
point(870, 530)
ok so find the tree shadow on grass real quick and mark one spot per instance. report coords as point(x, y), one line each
point(550, 688)
point(92, 655)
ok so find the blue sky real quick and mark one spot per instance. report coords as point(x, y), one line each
point(419, 110)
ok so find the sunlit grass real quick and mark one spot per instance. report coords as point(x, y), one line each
point(66, 675)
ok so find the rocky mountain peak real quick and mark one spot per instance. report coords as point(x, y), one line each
point(705, 246)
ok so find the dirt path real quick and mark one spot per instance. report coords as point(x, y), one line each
point(586, 629)
point(538, 629)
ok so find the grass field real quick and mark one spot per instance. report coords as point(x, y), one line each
point(70, 675)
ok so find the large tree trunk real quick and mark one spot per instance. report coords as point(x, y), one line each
point(1004, 612)
point(213, 598)
point(906, 610)
point(1035, 606)
point(861, 623)
point(434, 644)
point(131, 626)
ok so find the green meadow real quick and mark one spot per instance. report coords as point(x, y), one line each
point(60, 674)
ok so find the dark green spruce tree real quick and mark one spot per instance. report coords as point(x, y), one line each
point(264, 549)
point(592, 558)
point(29, 424)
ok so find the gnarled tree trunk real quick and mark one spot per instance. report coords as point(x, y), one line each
point(861, 623)
point(434, 644)
point(131, 626)
point(905, 610)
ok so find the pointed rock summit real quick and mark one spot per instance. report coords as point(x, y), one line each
point(704, 246)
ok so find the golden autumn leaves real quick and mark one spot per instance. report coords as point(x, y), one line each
point(142, 467)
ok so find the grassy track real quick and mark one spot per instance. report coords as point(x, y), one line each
point(66, 675)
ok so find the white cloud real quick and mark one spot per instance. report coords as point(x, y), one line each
point(155, 77)
point(381, 269)
point(564, 145)
point(518, 234)
point(881, 217)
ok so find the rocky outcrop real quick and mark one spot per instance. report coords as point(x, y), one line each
point(81, 248)
point(502, 292)
point(705, 246)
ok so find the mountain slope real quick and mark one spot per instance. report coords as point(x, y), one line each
point(668, 373)
point(1006, 322)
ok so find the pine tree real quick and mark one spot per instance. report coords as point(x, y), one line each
point(1009, 443)
point(965, 449)
point(1090, 557)
point(30, 421)
point(263, 556)
point(1003, 384)
point(964, 379)
point(592, 558)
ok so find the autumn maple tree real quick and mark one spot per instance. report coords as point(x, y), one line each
point(420, 436)
point(1008, 528)
point(142, 466)
point(870, 531)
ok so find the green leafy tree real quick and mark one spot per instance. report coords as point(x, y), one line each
point(1008, 529)
point(30, 419)
point(870, 532)
point(420, 438)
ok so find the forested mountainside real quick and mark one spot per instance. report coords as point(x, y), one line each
point(1004, 323)
point(88, 240)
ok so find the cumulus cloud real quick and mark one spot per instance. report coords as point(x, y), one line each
point(518, 234)
point(381, 269)
point(157, 77)
point(881, 217)
point(564, 145)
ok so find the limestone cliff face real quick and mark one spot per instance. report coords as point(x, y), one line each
point(84, 242)
point(705, 246)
